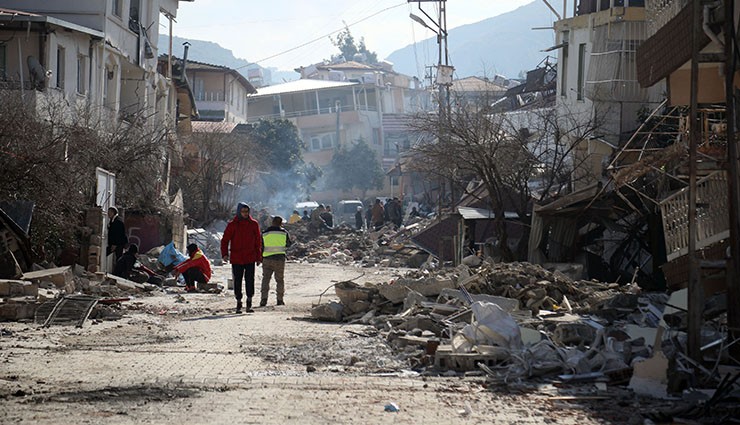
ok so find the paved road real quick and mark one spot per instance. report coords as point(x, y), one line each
point(197, 363)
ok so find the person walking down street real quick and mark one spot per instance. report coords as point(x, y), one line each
point(358, 218)
point(378, 214)
point(396, 212)
point(275, 240)
point(242, 246)
point(196, 269)
point(117, 238)
point(294, 218)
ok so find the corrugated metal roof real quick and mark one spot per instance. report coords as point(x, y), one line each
point(17, 15)
point(300, 86)
point(470, 213)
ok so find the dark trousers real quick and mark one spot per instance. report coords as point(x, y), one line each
point(245, 271)
point(193, 275)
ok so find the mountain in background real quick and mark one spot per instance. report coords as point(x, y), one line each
point(505, 44)
point(211, 53)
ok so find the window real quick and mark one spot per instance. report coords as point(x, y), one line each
point(61, 52)
point(118, 8)
point(581, 69)
point(564, 65)
point(323, 141)
point(81, 74)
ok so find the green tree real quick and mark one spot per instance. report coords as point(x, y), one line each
point(348, 47)
point(355, 168)
point(281, 147)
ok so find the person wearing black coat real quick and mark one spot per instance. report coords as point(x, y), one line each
point(117, 238)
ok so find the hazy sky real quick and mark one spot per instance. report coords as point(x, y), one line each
point(261, 30)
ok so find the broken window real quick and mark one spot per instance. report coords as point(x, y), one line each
point(60, 66)
point(117, 8)
point(81, 74)
point(581, 69)
point(564, 65)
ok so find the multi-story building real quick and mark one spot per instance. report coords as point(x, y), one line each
point(333, 105)
point(101, 54)
point(597, 75)
point(220, 92)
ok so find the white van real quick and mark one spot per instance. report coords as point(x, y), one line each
point(345, 212)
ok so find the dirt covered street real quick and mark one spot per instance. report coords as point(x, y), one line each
point(187, 358)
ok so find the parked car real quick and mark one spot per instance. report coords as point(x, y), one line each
point(345, 211)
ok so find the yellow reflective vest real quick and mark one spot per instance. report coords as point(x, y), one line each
point(274, 242)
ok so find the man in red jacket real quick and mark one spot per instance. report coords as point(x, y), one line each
point(195, 269)
point(244, 236)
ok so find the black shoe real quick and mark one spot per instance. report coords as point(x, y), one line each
point(249, 310)
point(263, 303)
point(280, 302)
point(238, 307)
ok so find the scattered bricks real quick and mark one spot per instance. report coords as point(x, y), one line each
point(61, 277)
point(13, 288)
point(94, 219)
point(18, 308)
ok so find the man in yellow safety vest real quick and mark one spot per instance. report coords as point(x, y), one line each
point(275, 240)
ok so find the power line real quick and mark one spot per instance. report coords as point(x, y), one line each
point(323, 36)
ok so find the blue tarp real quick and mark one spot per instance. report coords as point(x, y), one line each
point(171, 256)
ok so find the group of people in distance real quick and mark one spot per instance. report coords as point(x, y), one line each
point(243, 244)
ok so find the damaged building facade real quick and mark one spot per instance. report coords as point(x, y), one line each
point(97, 60)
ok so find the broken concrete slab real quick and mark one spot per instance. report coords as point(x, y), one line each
point(331, 312)
point(61, 277)
point(396, 292)
point(18, 308)
point(506, 304)
point(11, 288)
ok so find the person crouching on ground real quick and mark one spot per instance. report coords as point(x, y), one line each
point(196, 269)
point(275, 240)
point(242, 246)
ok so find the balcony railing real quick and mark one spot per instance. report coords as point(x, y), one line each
point(314, 111)
point(712, 218)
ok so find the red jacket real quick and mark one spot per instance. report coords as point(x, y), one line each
point(245, 238)
point(199, 261)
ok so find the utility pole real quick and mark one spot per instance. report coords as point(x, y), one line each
point(696, 292)
point(733, 266)
point(444, 70)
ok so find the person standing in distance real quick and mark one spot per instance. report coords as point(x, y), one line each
point(242, 246)
point(275, 240)
point(117, 238)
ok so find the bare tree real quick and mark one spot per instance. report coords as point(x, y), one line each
point(518, 157)
point(212, 161)
point(49, 151)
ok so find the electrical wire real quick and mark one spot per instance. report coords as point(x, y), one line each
point(324, 36)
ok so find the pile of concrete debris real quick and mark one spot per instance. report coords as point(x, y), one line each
point(345, 245)
point(515, 321)
point(41, 295)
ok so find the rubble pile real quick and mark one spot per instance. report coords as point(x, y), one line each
point(33, 295)
point(515, 321)
point(344, 245)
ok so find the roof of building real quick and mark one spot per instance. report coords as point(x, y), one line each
point(347, 65)
point(11, 15)
point(213, 127)
point(476, 84)
point(303, 85)
point(208, 67)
